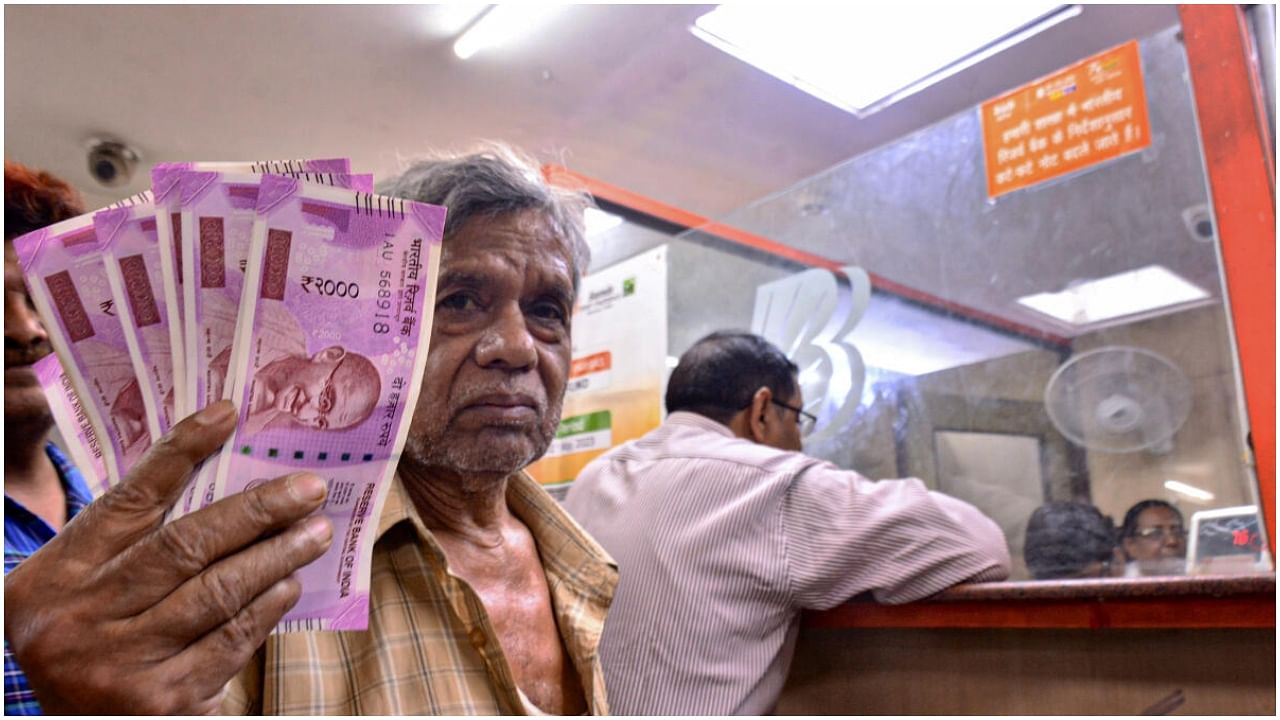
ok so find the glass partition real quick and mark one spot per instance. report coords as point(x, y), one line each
point(1064, 343)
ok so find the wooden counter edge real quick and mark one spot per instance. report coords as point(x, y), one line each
point(1193, 603)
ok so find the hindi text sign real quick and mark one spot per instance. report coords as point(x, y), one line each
point(1085, 114)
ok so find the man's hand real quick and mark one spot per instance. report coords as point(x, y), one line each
point(120, 614)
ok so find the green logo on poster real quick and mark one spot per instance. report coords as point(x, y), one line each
point(629, 286)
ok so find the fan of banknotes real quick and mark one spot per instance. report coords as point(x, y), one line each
point(287, 287)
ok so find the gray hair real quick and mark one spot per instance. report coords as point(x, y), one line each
point(495, 180)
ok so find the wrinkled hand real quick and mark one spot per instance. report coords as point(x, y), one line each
point(120, 614)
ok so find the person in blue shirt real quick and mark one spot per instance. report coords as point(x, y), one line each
point(42, 489)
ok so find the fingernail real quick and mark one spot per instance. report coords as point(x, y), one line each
point(319, 528)
point(308, 487)
point(217, 413)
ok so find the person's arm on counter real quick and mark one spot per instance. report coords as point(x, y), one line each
point(845, 535)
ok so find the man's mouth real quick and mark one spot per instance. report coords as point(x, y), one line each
point(17, 360)
point(502, 408)
point(18, 370)
point(18, 375)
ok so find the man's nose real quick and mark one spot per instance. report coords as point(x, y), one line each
point(506, 342)
point(22, 324)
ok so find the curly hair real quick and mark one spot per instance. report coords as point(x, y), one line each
point(34, 199)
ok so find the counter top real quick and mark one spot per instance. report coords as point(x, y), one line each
point(1204, 601)
point(1103, 588)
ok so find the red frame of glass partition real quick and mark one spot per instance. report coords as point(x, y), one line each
point(1239, 163)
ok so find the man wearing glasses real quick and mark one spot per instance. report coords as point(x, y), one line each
point(1154, 539)
point(724, 531)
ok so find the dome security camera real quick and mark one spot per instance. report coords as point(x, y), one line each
point(111, 162)
point(1199, 223)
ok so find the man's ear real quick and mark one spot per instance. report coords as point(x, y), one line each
point(758, 418)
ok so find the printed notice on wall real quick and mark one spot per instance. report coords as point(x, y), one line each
point(614, 392)
point(1080, 116)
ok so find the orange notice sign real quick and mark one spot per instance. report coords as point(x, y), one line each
point(591, 364)
point(1078, 117)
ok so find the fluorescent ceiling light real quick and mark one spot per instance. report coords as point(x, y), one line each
point(672, 361)
point(598, 221)
point(905, 339)
point(1190, 491)
point(1128, 293)
point(864, 56)
point(499, 25)
point(450, 19)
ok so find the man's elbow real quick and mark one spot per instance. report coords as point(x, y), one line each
point(994, 552)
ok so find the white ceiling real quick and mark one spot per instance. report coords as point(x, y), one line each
point(623, 93)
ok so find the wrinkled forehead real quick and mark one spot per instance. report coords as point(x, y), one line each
point(524, 240)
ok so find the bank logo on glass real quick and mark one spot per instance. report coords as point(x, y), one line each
point(810, 316)
point(286, 286)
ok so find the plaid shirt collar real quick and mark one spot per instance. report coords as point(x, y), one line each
point(431, 647)
point(568, 553)
point(582, 577)
point(582, 560)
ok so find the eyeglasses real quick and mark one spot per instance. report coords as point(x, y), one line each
point(1155, 533)
point(805, 420)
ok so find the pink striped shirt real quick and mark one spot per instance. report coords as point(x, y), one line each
point(720, 542)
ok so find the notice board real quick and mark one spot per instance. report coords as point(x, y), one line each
point(1076, 118)
point(619, 366)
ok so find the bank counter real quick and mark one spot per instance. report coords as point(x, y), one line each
point(1086, 355)
point(1200, 645)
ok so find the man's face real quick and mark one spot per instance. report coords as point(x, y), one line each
point(500, 350)
point(25, 341)
point(330, 390)
point(1158, 535)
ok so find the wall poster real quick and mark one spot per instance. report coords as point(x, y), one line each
point(619, 366)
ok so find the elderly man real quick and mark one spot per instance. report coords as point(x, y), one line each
point(724, 532)
point(485, 597)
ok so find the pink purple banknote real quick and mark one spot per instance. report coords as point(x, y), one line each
point(287, 287)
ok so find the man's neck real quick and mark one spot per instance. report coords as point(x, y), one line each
point(471, 507)
point(25, 459)
point(30, 476)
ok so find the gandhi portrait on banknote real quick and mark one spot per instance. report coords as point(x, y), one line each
point(333, 389)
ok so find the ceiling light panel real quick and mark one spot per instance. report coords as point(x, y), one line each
point(1128, 293)
point(500, 24)
point(856, 55)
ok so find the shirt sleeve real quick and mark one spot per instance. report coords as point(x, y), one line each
point(844, 535)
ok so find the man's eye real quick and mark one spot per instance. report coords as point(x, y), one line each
point(457, 301)
point(549, 311)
